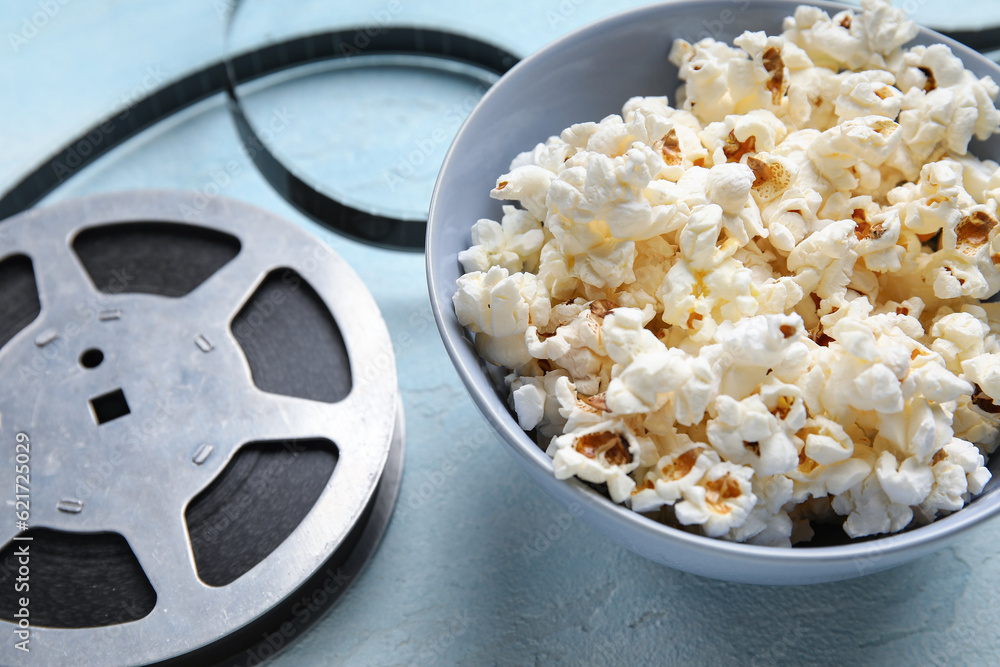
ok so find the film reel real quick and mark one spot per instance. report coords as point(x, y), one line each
point(212, 424)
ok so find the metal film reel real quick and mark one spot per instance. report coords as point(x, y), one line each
point(214, 423)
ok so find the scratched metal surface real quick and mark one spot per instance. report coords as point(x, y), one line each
point(478, 566)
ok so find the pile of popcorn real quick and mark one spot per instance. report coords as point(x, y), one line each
point(761, 309)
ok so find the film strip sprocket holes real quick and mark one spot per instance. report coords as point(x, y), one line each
point(228, 75)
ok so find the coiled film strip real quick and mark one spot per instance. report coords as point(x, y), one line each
point(232, 72)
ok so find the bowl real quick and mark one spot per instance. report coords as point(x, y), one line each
point(584, 76)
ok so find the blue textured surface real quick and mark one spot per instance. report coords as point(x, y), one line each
point(478, 566)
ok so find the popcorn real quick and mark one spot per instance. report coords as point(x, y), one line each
point(498, 303)
point(625, 335)
point(728, 185)
point(972, 243)
point(763, 529)
point(768, 524)
point(878, 236)
point(722, 500)
point(700, 304)
point(812, 93)
point(673, 476)
point(958, 472)
point(575, 410)
point(868, 93)
point(602, 454)
point(944, 104)
point(814, 480)
point(513, 244)
point(870, 511)
point(934, 382)
point(761, 82)
point(607, 265)
point(537, 401)
point(739, 136)
point(506, 351)
point(906, 483)
point(976, 176)
point(970, 422)
point(529, 404)
point(790, 218)
point(760, 309)
point(866, 140)
point(575, 345)
point(756, 347)
point(704, 67)
point(822, 263)
point(876, 388)
point(959, 337)
point(984, 371)
point(826, 441)
point(549, 155)
point(746, 432)
point(528, 184)
point(653, 258)
point(644, 382)
point(849, 40)
point(961, 453)
point(687, 404)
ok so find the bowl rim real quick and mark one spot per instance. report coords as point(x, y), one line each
point(573, 491)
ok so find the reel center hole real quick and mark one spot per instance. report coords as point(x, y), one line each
point(92, 358)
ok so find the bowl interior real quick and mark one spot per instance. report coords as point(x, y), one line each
point(586, 76)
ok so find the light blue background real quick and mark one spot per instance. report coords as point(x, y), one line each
point(478, 566)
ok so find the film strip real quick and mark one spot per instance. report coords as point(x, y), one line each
point(227, 76)
point(313, 200)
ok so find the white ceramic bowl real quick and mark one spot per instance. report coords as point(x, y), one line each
point(586, 76)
